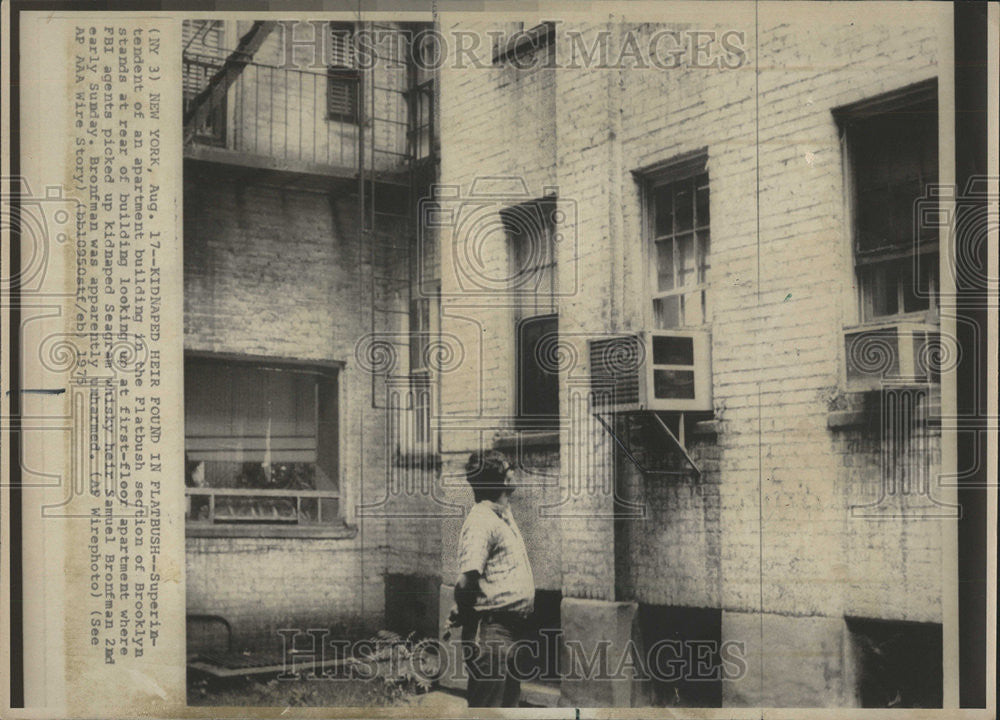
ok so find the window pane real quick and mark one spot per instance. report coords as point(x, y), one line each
point(538, 368)
point(667, 312)
point(880, 285)
point(684, 205)
point(704, 250)
point(702, 200)
point(874, 219)
point(198, 509)
point(663, 210)
point(928, 274)
point(913, 299)
point(686, 269)
point(693, 308)
point(665, 265)
point(530, 231)
point(904, 195)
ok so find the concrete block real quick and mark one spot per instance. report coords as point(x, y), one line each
point(600, 634)
point(790, 662)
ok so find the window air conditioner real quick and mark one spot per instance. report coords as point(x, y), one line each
point(658, 370)
point(892, 352)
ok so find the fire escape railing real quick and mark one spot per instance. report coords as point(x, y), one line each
point(279, 113)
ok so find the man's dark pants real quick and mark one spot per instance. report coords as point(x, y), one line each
point(489, 659)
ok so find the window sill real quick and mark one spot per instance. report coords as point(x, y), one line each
point(923, 317)
point(707, 427)
point(332, 532)
point(841, 419)
point(528, 438)
point(847, 419)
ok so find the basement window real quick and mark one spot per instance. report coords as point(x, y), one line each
point(261, 444)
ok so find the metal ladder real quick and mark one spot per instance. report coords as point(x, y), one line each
point(385, 192)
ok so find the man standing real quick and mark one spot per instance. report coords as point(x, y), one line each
point(495, 592)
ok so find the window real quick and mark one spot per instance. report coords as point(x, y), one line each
point(343, 79)
point(892, 159)
point(420, 94)
point(260, 443)
point(423, 329)
point(534, 284)
point(678, 225)
point(537, 371)
point(531, 230)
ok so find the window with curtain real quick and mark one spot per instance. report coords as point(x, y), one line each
point(260, 443)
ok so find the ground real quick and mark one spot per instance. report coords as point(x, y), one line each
point(326, 692)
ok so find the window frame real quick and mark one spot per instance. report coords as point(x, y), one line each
point(543, 422)
point(687, 166)
point(862, 263)
point(534, 304)
point(338, 527)
point(424, 398)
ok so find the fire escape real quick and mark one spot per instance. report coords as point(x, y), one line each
point(366, 133)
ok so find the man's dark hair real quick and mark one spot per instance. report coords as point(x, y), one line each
point(485, 472)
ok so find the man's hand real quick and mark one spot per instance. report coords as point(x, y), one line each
point(454, 622)
point(466, 591)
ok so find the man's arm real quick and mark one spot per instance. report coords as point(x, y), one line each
point(466, 591)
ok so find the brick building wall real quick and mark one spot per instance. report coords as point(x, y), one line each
point(277, 268)
point(263, 267)
point(766, 535)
